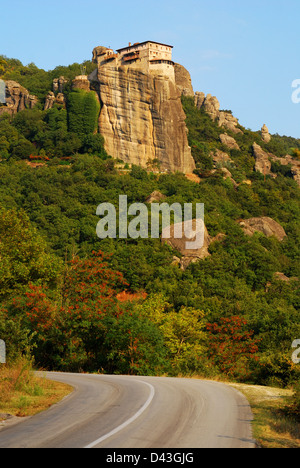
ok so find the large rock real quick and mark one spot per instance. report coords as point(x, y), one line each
point(265, 135)
point(229, 141)
point(262, 160)
point(199, 99)
point(18, 98)
point(265, 225)
point(183, 80)
point(227, 120)
point(51, 99)
point(211, 106)
point(155, 197)
point(141, 116)
point(169, 236)
point(220, 158)
point(59, 84)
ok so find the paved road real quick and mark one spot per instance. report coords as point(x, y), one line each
point(137, 412)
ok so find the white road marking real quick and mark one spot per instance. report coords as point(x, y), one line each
point(129, 421)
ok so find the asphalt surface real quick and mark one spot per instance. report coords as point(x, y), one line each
point(137, 412)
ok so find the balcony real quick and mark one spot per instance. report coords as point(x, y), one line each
point(132, 56)
point(110, 57)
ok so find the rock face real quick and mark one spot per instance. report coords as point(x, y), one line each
point(183, 81)
point(59, 84)
point(141, 116)
point(211, 106)
point(51, 99)
point(81, 82)
point(17, 98)
point(265, 225)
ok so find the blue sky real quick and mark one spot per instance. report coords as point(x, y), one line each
point(244, 52)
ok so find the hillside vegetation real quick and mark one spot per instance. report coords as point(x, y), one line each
point(227, 315)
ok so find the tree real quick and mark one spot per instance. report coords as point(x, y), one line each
point(183, 333)
point(83, 111)
point(24, 254)
point(232, 346)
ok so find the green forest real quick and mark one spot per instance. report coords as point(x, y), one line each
point(226, 316)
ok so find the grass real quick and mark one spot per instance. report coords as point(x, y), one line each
point(22, 393)
point(274, 425)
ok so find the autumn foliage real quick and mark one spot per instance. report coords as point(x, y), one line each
point(232, 346)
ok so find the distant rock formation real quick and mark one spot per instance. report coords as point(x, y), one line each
point(262, 160)
point(17, 98)
point(59, 84)
point(211, 106)
point(265, 225)
point(294, 163)
point(51, 99)
point(141, 116)
point(265, 135)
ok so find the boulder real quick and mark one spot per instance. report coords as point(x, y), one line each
point(155, 197)
point(220, 157)
point(265, 225)
point(229, 141)
point(169, 236)
point(227, 120)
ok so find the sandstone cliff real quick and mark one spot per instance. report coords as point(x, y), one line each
point(17, 98)
point(141, 116)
